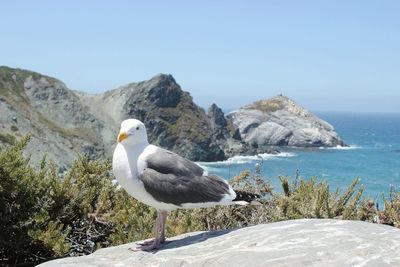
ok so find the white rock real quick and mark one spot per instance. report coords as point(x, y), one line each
point(279, 121)
point(306, 242)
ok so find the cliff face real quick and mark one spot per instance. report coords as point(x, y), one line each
point(172, 119)
point(64, 123)
point(289, 243)
point(279, 121)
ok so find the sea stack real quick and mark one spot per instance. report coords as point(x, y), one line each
point(279, 121)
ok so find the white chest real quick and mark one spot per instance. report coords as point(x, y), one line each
point(125, 171)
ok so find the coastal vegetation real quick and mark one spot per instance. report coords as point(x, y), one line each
point(267, 105)
point(45, 214)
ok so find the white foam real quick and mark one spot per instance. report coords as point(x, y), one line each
point(342, 147)
point(248, 159)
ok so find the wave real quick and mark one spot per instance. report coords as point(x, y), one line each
point(248, 159)
point(342, 147)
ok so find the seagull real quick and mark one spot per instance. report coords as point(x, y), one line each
point(166, 181)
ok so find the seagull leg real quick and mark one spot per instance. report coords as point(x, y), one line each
point(164, 220)
point(153, 243)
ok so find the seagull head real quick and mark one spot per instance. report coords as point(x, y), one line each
point(132, 132)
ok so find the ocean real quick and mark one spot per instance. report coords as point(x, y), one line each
point(373, 156)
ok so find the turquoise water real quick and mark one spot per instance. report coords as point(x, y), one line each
point(374, 156)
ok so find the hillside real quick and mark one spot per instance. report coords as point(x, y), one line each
point(64, 123)
point(55, 116)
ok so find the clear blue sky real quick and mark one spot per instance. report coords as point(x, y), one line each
point(327, 55)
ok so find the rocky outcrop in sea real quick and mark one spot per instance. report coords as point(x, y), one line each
point(279, 121)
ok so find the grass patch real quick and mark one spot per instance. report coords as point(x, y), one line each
point(269, 105)
point(82, 133)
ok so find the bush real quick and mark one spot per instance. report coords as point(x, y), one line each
point(391, 213)
point(312, 199)
point(20, 189)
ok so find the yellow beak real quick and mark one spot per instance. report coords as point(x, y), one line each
point(122, 136)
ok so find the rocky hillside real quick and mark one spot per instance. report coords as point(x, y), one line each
point(279, 121)
point(172, 119)
point(64, 123)
point(59, 122)
point(289, 243)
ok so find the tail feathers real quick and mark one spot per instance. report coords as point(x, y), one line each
point(246, 198)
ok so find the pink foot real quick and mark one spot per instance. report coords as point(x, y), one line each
point(147, 242)
point(146, 246)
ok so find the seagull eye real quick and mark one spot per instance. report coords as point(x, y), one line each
point(137, 128)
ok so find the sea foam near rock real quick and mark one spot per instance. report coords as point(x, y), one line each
point(350, 147)
point(248, 159)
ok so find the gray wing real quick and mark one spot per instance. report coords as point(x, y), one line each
point(169, 178)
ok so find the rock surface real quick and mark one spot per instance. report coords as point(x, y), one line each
point(218, 122)
point(279, 121)
point(306, 242)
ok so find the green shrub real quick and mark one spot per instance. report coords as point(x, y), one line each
point(312, 199)
point(391, 213)
point(21, 188)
